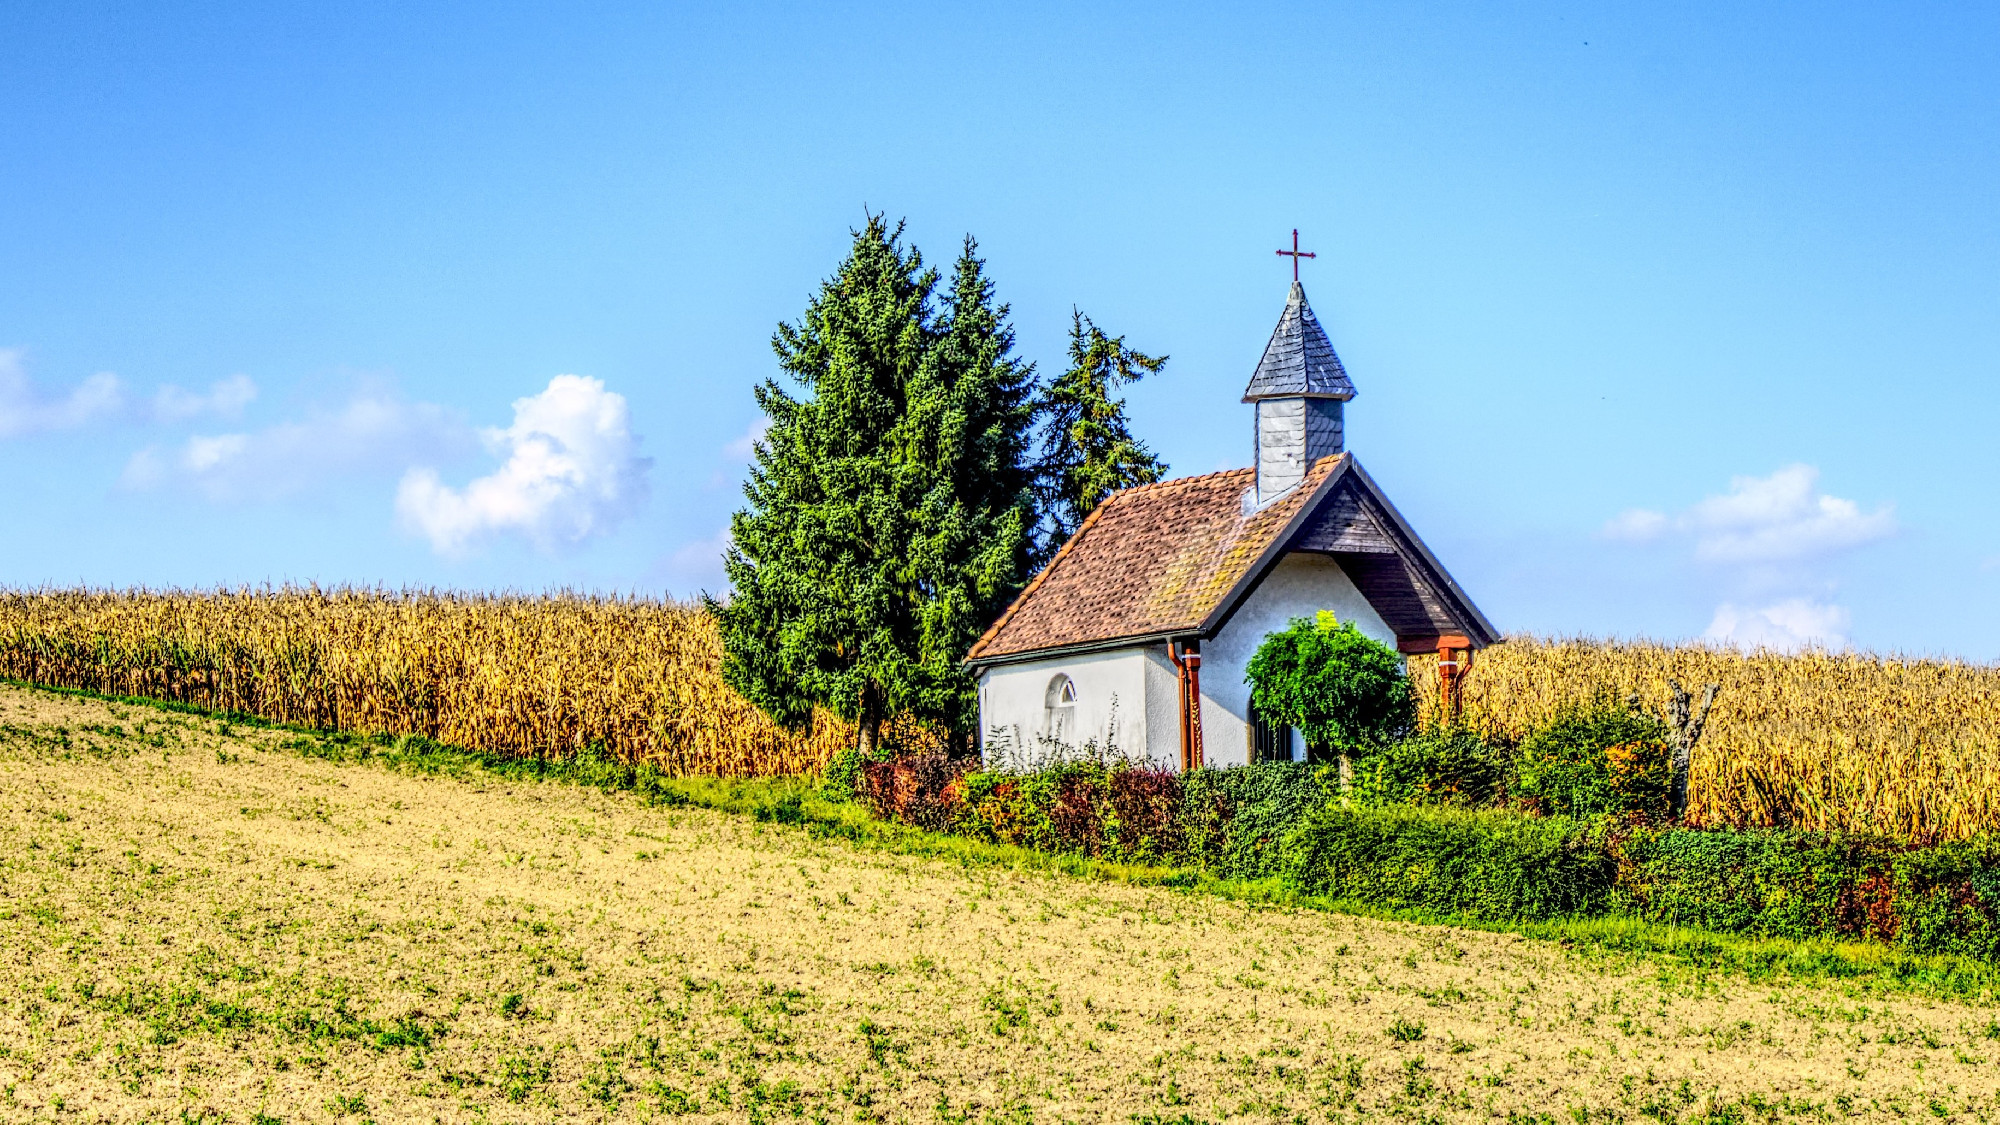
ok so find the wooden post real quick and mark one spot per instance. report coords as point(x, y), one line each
point(1454, 661)
point(1188, 664)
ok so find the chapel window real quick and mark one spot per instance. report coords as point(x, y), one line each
point(1060, 700)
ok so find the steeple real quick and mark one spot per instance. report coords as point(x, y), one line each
point(1298, 390)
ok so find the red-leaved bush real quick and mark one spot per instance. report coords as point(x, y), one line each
point(1146, 808)
point(1074, 818)
point(916, 789)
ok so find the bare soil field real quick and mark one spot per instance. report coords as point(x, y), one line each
point(200, 924)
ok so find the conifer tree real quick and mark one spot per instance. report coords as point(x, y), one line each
point(1088, 451)
point(815, 613)
point(967, 490)
point(890, 503)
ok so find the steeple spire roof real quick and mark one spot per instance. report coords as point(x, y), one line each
point(1299, 360)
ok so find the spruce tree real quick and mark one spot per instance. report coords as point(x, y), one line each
point(1088, 451)
point(967, 491)
point(815, 612)
point(890, 503)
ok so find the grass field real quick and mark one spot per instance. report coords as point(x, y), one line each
point(201, 923)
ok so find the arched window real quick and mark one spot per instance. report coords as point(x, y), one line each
point(1060, 701)
point(1062, 691)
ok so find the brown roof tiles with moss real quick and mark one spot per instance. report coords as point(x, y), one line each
point(1152, 560)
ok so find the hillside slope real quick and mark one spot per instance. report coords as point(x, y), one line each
point(203, 924)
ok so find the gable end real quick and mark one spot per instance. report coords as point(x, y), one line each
point(1345, 524)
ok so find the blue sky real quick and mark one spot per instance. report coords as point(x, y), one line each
point(1672, 322)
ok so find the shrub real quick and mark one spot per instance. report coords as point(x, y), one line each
point(917, 789)
point(1144, 818)
point(1234, 819)
point(1281, 819)
point(1770, 883)
point(1075, 816)
point(1345, 690)
point(1947, 898)
point(1594, 759)
point(842, 780)
point(1444, 768)
point(1492, 864)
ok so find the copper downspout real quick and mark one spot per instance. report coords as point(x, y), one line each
point(1189, 664)
point(1454, 661)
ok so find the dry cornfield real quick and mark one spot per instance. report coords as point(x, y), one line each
point(545, 675)
point(1818, 740)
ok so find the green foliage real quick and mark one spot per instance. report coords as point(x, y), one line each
point(1942, 899)
point(890, 507)
point(1596, 759)
point(1088, 451)
point(1443, 768)
point(1487, 864)
point(1345, 690)
point(1948, 899)
point(1768, 883)
point(963, 519)
point(842, 779)
point(1236, 817)
point(1124, 813)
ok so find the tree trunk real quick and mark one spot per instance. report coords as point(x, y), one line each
point(868, 729)
point(1686, 723)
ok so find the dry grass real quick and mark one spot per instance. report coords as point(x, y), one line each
point(204, 926)
point(1905, 747)
point(528, 675)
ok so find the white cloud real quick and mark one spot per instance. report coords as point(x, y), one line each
point(742, 448)
point(24, 410)
point(1637, 525)
point(374, 431)
point(1769, 538)
point(226, 398)
point(571, 471)
point(1782, 518)
point(1786, 626)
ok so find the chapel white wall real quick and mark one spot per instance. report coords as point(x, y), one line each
point(1112, 704)
point(1300, 585)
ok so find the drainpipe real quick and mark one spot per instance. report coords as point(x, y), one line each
point(1188, 661)
point(1454, 661)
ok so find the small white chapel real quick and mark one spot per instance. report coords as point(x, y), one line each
point(1137, 633)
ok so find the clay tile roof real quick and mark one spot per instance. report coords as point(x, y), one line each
point(1152, 560)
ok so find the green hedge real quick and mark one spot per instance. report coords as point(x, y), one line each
point(1288, 821)
point(1487, 864)
point(1770, 883)
point(1238, 818)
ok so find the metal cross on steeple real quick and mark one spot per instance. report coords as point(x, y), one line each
point(1295, 254)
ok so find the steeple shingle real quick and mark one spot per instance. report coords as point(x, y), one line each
point(1299, 360)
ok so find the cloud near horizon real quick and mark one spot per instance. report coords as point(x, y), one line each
point(374, 430)
point(25, 410)
point(1787, 626)
point(571, 470)
point(1771, 535)
point(104, 397)
point(226, 398)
